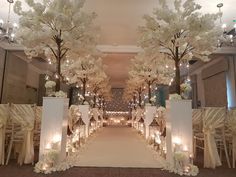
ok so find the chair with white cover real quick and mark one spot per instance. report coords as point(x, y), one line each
point(197, 120)
point(37, 125)
point(23, 117)
point(197, 115)
point(231, 135)
point(4, 115)
point(213, 135)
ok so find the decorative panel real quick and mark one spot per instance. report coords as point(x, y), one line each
point(117, 103)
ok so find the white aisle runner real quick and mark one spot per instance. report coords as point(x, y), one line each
point(117, 146)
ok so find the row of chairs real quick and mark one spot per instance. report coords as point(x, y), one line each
point(20, 131)
point(214, 130)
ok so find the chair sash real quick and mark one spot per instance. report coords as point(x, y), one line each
point(25, 115)
point(4, 115)
point(213, 118)
point(73, 116)
point(231, 124)
point(197, 116)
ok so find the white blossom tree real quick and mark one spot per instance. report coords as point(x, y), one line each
point(180, 33)
point(98, 82)
point(59, 29)
point(135, 87)
point(149, 69)
point(81, 71)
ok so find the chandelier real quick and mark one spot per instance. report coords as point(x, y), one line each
point(228, 37)
point(8, 29)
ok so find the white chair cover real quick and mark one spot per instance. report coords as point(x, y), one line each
point(232, 126)
point(197, 116)
point(4, 114)
point(73, 116)
point(38, 114)
point(25, 115)
point(212, 118)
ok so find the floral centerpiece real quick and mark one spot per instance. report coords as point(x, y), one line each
point(175, 96)
point(153, 100)
point(185, 90)
point(50, 87)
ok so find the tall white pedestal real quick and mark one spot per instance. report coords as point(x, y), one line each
point(84, 109)
point(178, 126)
point(149, 116)
point(54, 126)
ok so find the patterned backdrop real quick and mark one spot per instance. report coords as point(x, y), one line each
point(117, 104)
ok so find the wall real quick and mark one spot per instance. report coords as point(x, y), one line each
point(210, 82)
point(2, 59)
point(20, 81)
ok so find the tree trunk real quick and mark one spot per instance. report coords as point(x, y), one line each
point(139, 99)
point(58, 81)
point(94, 101)
point(84, 89)
point(58, 41)
point(177, 71)
point(149, 92)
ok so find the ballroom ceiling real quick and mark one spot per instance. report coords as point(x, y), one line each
point(118, 20)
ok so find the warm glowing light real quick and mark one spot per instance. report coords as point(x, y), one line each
point(56, 139)
point(48, 146)
point(15, 25)
point(224, 26)
point(185, 148)
point(177, 140)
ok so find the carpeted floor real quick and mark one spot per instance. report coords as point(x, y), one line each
point(14, 170)
point(118, 146)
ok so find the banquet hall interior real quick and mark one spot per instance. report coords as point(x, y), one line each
point(117, 88)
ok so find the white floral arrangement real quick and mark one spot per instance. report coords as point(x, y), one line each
point(50, 84)
point(60, 94)
point(185, 87)
point(80, 97)
point(175, 96)
point(153, 99)
point(43, 166)
point(181, 165)
point(161, 109)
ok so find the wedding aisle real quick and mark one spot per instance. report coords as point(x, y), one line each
point(117, 146)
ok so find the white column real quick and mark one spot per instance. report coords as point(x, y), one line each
point(230, 83)
point(84, 109)
point(54, 126)
point(178, 126)
point(149, 116)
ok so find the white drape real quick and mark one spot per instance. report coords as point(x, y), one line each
point(197, 116)
point(231, 124)
point(24, 114)
point(213, 118)
point(4, 114)
point(73, 116)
